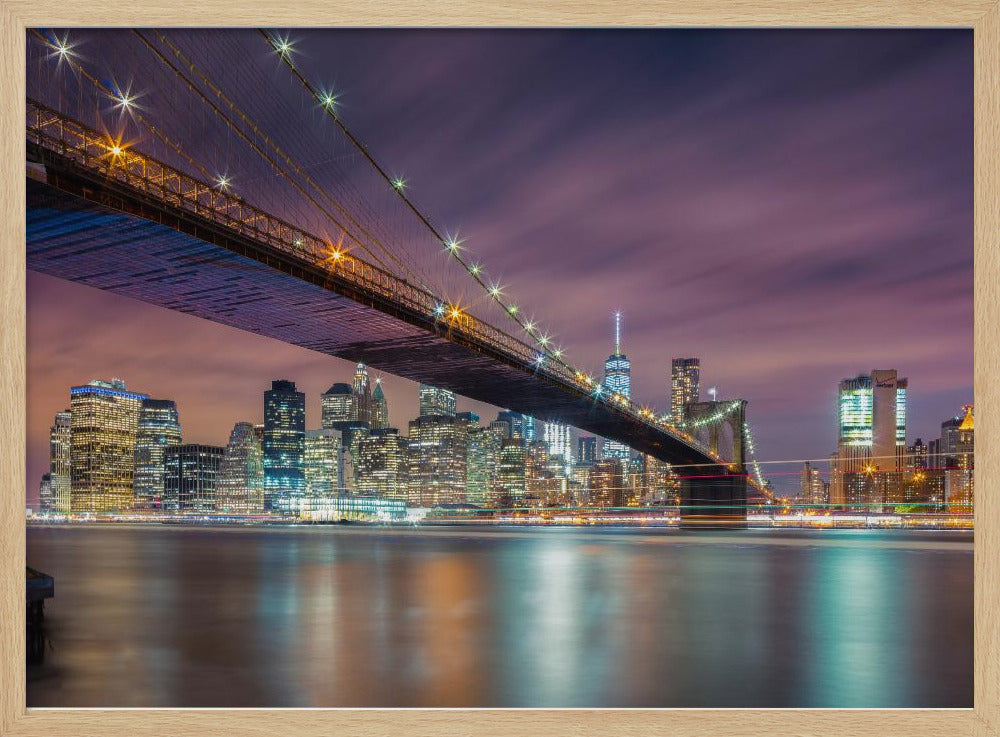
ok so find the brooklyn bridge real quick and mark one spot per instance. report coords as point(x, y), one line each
point(188, 192)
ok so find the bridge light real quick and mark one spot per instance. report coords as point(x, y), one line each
point(63, 49)
point(439, 310)
point(455, 313)
point(328, 100)
point(116, 150)
point(223, 181)
point(495, 291)
point(474, 269)
point(283, 46)
point(557, 352)
point(512, 309)
point(544, 340)
point(125, 101)
point(399, 184)
point(529, 326)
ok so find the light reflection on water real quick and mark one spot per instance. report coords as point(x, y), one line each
point(331, 616)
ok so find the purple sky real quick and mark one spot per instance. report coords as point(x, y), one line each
point(793, 207)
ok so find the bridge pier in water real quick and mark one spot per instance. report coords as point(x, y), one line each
point(714, 501)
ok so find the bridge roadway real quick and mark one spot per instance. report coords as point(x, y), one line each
point(87, 226)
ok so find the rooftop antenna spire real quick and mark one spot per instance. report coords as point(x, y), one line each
point(618, 333)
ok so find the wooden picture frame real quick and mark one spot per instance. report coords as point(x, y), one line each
point(983, 16)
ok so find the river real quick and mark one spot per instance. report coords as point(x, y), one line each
point(343, 616)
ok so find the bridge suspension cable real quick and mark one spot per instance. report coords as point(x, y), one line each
point(251, 124)
point(451, 243)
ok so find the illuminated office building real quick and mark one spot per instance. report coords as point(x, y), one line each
point(959, 486)
point(521, 427)
point(607, 483)
point(510, 482)
point(812, 490)
point(684, 378)
point(559, 440)
point(382, 464)
point(46, 503)
point(240, 485)
point(60, 444)
point(868, 468)
point(480, 459)
point(363, 392)
point(321, 463)
point(104, 422)
point(437, 459)
point(380, 408)
point(617, 380)
point(436, 402)
point(338, 407)
point(284, 446)
point(191, 474)
point(159, 426)
point(586, 450)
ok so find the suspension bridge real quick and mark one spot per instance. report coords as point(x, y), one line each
point(344, 262)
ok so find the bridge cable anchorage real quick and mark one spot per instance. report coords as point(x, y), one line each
point(253, 145)
point(397, 185)
point(103, 89)
point(287, 159)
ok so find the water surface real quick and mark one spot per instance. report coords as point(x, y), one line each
point(541, 617)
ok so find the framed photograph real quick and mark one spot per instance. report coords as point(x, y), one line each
point(568, 368)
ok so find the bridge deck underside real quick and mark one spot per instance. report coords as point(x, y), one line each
point(78, 240)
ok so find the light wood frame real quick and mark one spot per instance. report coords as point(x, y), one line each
point(983, 16)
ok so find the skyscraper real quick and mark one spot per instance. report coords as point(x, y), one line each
point(362, 390)
point(159, 426)
point(60, 444)
point(812, 490)
point(684, 378)
point(559, 440)
point(46, 503)
point(435, 401)
point(871, 449)
point(618, 380)
point(959, 486)
point(607, 483)
point(586, 454)
point(240, 486)
point(437, 459)
point(516, 426)
point(191, 473)
point(104, 421)
point(380, 408)
point(321, 463)
point(338, 407)
point(510, 482)
point(382, 464)
point(284, 446)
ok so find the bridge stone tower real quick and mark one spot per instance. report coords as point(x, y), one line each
point(714, 495)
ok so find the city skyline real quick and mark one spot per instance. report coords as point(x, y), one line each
point(832, 292)
point(439, 402)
